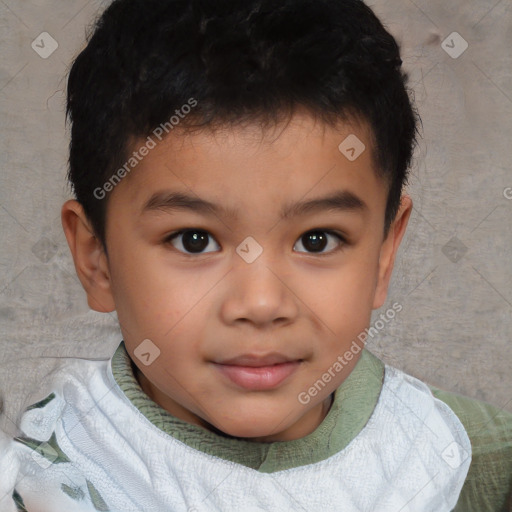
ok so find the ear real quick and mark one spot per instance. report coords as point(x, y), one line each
point(91, 263)
point(389, 249)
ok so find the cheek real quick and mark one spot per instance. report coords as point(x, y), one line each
point(147, 297)
point(160, 303)
point(344, 298)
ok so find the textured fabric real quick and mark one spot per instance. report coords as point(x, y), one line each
point(86, 447)
point(488, 487)
point(353, 404)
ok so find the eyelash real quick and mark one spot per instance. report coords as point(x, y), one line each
point(168, 239)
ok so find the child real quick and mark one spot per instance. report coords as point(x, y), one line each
point(238, 168)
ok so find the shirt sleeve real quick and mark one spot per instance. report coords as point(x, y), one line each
point(488, 486)
point(9, 469)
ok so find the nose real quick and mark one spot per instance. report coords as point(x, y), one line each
point(258, 293)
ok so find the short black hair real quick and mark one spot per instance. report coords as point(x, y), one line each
point(234, 61)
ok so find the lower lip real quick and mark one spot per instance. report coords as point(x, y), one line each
point(258, 378)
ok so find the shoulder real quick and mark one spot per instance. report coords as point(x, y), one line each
point(30, 451)
point(488, 486)
point(67, 386)
point(414, 399)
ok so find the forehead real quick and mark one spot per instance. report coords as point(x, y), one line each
point(232, 168)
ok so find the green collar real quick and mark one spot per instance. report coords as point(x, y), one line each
point(354, 402)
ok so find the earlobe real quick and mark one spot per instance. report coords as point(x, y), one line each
point(89, 257)
point(389, 250)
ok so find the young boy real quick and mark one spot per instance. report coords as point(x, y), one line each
point(238, 168)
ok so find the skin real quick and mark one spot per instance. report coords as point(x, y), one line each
point(211, 305)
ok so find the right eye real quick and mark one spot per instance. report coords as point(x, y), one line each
point(192, 240)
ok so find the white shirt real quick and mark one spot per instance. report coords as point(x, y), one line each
point(413, 455)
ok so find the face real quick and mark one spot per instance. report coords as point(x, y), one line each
point(251, 260)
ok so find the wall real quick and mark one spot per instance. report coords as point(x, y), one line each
point(453, 276)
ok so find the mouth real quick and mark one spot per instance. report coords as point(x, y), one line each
point(257, 373)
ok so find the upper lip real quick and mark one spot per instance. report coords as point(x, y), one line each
point(257, 361)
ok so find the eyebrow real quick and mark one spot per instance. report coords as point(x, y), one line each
point(342, 200)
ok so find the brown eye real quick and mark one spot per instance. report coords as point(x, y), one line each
point(317, 240)
point(192, 241)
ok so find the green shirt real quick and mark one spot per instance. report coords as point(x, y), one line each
point(488, 486)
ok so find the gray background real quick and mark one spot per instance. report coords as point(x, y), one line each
point(453, 276)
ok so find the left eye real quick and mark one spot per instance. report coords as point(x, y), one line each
point(317, 240)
